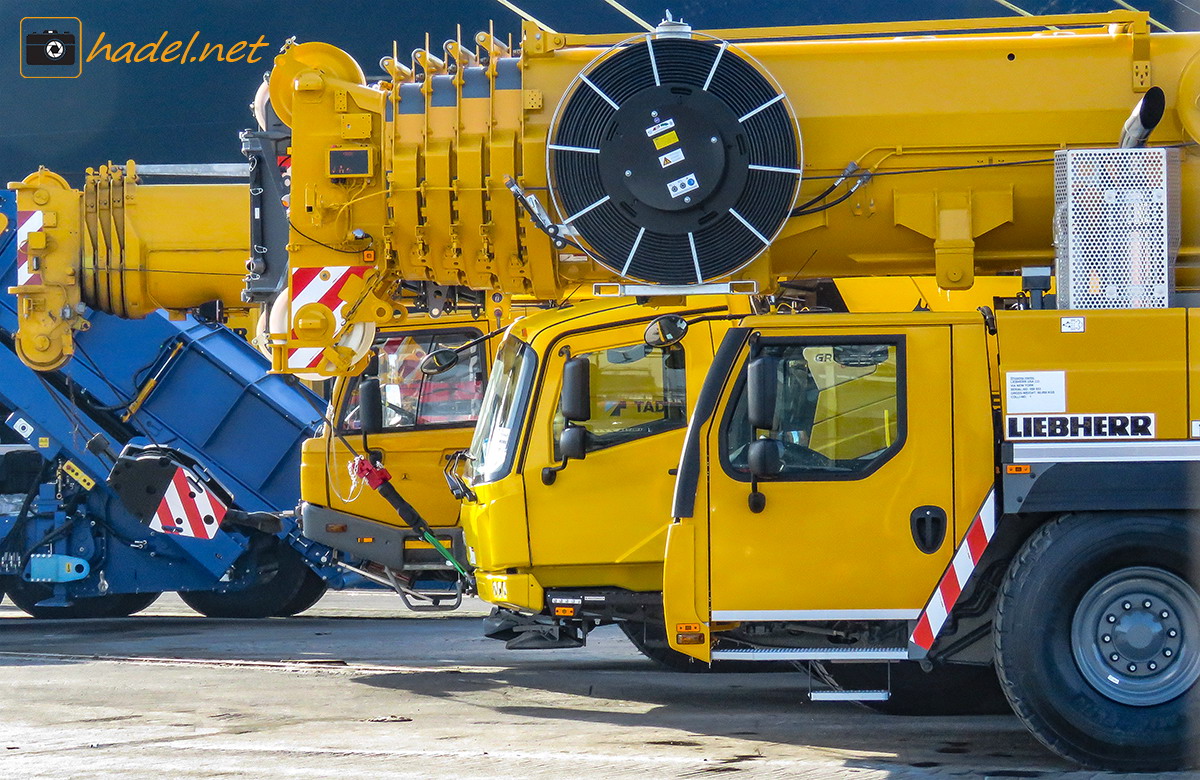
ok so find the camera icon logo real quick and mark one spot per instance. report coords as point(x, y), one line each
point(50, 47)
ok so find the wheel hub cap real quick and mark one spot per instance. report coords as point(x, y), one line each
point(1134, 636)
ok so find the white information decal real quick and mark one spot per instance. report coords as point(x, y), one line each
point(661, 127)
point(496, 448)
point(683, 185)
point(1029, 392)
point(670, 158)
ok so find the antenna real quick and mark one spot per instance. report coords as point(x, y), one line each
point(645, 25)
point(1153, 21)
point(526, 16)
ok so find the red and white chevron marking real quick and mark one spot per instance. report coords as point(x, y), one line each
point(955, 579)
point(27, 222)
point(188, 509)
point(324, 286)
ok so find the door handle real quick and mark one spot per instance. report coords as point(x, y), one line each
point(928, 525)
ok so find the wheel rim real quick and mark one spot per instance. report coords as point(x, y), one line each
point(1136, 636)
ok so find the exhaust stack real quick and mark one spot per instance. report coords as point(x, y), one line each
point(1145, 117)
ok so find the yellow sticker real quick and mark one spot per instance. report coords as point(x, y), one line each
point(76, 473)
point(666, 140)
point(43, 442)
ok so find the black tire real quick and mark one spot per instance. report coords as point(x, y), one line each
point(1051, 637)
point(280, 577)
point(949, 689)
point(26, 595)
point(650, 638)
point(311, 591)
point(126, 604)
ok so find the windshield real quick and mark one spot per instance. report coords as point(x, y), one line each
point(505, 400)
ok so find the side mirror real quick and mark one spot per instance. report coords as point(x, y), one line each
point(761, 379)
point(860, 355)
point(370, 405)
point(665, 330)
point(573, 442)
point(439, 361)
point(764, 459)
point(576, 401)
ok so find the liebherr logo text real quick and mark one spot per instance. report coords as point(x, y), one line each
point(1079, 426)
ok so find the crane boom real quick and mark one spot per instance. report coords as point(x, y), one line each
point(677, 161)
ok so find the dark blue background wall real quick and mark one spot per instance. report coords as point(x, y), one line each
point(171, 112)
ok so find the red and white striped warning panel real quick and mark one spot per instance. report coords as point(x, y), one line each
point(323, 286)
point(27, 222)
point(188, 509)
point(958, 573)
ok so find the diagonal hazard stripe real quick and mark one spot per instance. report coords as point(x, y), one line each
point(189, 504)
point(956, 576)
point(308, 287)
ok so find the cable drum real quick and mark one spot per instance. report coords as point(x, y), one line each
point(675, 159)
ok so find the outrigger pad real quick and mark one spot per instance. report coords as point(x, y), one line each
point(168, 493)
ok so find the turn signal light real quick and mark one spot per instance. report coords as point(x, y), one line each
point(366, 539)
point(564, 611)
point(335, 528)
point(1015, 468)
point(689, 638)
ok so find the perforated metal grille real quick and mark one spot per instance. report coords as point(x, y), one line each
point(1116, 227)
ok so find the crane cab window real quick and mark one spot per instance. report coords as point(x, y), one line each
point(413, 400)
point(839, 410)
point(637, 391)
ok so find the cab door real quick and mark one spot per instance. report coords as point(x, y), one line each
point(862, 443)
point(603, 519)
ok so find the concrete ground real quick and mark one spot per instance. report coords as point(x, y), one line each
point(359, 687)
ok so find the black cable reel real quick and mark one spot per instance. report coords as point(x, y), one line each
point(674, 157)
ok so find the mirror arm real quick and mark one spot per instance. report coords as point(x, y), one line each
point(550, 473)
point(480, 339)
point(757, 500)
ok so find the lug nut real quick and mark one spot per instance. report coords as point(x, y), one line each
point(1167, 652)
point(1172, 633)
point(628, 173)
point(712, 140)
point(1106, 638)
point(1152, 666)
point(1127, 605)
point(1146, 603)
point(1164, 614)
point(1115, 657)
point(1133, 667)
point(1111, 618)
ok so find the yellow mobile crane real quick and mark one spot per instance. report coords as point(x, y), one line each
point(931, 172)
point(908, 166)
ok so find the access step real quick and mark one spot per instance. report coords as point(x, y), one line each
point(849, 695)
point(812, 654)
